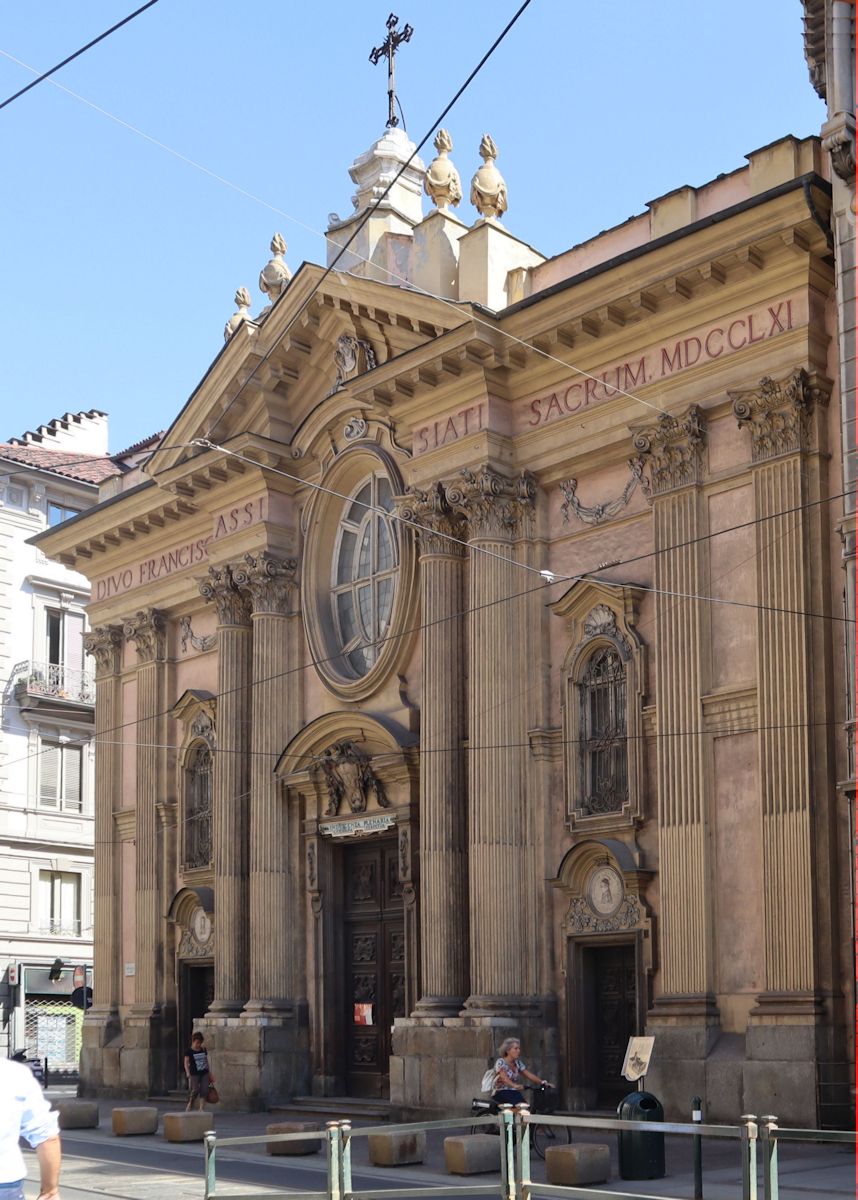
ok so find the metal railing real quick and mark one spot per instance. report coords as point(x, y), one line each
point(514, 1157)
point(55, 679)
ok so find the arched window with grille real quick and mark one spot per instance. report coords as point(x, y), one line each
point(197, 825)
point(603, 745)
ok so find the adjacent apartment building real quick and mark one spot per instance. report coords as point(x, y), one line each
point(46, 757)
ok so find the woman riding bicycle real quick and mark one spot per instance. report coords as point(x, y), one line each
point(509, 1073)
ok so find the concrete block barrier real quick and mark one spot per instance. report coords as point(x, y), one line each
point(308, 1145)
point(187, 1126)
point(472, 1154)
point(575, 1166)
point(77, 1114)
point(129, 1122)
point(397, 1148)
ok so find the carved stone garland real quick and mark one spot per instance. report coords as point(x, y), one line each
point(596, 513)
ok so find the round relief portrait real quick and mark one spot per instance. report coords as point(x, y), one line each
point(605, 891)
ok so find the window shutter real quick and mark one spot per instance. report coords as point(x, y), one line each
point(45, 901)
point(70, 902)
point(74, 641)
point(49, 775)
point(71, 777)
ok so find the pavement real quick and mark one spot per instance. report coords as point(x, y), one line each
point(98, 1164)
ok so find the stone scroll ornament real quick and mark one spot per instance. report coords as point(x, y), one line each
point(346, 358)
point(348, 776)
point(595, 514)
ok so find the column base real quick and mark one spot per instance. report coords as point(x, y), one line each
point(259, 1058)
point(504, 1009)
point(148, 1052)
point(100, 1048)
point(225, 1008)
point(438, 1007)
point(438, 1063)
point(686, 1029)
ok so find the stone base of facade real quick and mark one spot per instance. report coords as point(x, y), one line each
point(132, 1056)
point(438, 1063)
point(259, 1059)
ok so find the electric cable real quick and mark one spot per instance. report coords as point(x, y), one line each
point(71, 57)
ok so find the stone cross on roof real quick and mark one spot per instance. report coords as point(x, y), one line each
point(387, 50)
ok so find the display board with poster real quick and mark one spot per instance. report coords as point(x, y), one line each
point(636, 1062)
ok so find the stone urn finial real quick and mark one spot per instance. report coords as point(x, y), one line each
point(275, 275)
point(488, 187)
point(242, 299)
point(441, 183)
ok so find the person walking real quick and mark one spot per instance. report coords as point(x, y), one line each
point(25, 1113)
point(198, 1072)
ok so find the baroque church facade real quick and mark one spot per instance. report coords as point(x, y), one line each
point(447, 689)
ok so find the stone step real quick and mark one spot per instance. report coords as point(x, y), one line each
point(338, 1107)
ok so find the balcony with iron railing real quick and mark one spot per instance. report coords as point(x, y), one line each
point(41, 684)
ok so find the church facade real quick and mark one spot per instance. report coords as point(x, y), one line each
point(470, 660)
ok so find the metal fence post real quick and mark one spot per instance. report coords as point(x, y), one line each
point(505, 1123)
point(749, 1156)
point(334, 1147)
point(522, 1149)
point(770, 1157)
point(697, 1117)
point(345, 1158)
point(210, 1140)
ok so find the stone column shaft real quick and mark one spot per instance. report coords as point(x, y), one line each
point(270, 584)
point(105, 643)
point(147, 630)
point(230, 806)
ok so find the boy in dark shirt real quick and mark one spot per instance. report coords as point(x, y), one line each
point(198, 1072)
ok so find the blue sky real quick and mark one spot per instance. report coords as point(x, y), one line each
point(120, 261)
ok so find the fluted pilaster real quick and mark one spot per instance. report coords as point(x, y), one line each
point(674, 451)
point(270, 585)
point(105, 645)
point(498, 510)
point(230, 792)
point(147, 629)
point(778, 417)
point(444, 940)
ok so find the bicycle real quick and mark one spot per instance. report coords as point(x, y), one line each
point(544, 1100)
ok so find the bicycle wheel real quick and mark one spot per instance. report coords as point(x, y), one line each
point(543, 1136)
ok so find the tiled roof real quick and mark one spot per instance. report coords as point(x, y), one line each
point(86, 468)
point(143, 444)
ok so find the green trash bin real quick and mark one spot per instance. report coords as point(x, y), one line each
point(641, 1154)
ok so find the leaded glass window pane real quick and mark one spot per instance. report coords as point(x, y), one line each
point(198, 809)
point(366, 562)
point(604, 756)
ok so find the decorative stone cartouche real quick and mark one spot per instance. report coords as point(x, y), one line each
point(441, 183)
point(275, 275)
point(242, 299)
point(488, 187)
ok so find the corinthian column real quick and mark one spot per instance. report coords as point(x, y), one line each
point(270, 586)
point(230, 792)
point(105, 645)
point(674, 449)
point(777, 416)
point(147, 629)
point(443, 798)
point(498, 510)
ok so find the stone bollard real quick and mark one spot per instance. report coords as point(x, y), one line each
point(471, 1154)
point(397, 1148)
point(129, 1122)
point(578, 1165)
point(77, 1114)
point(187, 1126)
point(308, 1145)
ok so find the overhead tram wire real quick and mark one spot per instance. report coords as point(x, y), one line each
point(71, 57)
point(544, 583)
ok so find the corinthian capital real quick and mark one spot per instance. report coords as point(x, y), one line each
point(674, 448)
point(494, 505)
point(148, 629)
point(232, 604)
point(439, 530)
point(269, 582)
point(778, 414)
point(104, 643)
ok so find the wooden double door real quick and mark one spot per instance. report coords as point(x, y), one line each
point(374, 963)
point(605, 1010)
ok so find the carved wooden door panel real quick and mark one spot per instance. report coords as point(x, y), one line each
point(374, 964)
point(615, 1018)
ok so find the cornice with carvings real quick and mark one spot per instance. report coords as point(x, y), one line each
point(104, 643)
point(674, 449)
point(232, 603)
point(777, 414)
point(495, 506)
point(269, 582)
point(148, 630)
point(439, 530)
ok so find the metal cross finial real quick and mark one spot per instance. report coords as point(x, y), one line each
point(387, 49)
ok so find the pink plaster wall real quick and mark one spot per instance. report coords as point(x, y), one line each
point(128, 735)
point(733, 576)
point(127, 920)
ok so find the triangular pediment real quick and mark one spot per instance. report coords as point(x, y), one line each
point(587, 595)
point(321, 340)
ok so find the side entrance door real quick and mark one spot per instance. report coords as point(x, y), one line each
point(197, 994)
point(616, 992)
point(374, 952)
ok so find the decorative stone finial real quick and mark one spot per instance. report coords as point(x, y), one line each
point(442, 184)
point(275, 275)
point(488, 187)
point(242, 299)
